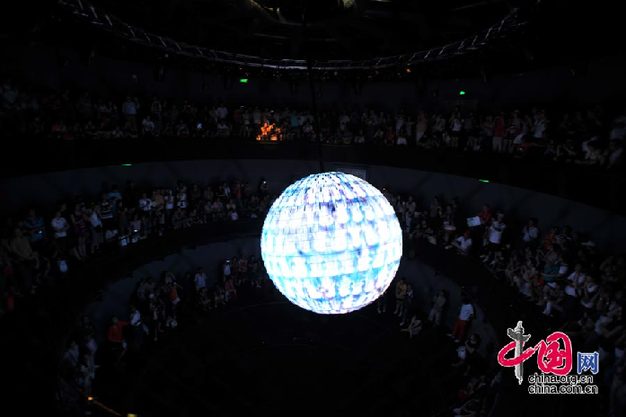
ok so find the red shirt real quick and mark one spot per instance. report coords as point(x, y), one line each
point(115, 334)
point(485, 216)
point(499, 129)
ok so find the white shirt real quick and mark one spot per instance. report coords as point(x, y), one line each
point(169, 202)
point(467, 311)
point(592, 287)
point(571, 291)
point(539, 128)
point(145, 204)
point(464, 243)
point(59, 224)
point(221, 112)
point(148, 125)
point(200, 280)
point(129, 108)
point(495, 232)
point(456, 125)
point(135, 318)
point(577, 278)
point(182, 200)
point(94, 219)
point(530, 233)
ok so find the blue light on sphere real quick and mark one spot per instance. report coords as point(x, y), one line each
point(331, 243)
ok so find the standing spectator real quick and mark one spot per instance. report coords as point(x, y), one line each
point(136, 326)
point(129, 110)
point(530, 233)
point(539, 126)
point(499, 131)
point(34, 227)
point(226, 270)
point(115, 338)
point(199, 279)
point(436, 312)
point(381, 303)
point(414, 328)
point(495, 230)
point(230, 291)
point(466, 314)
point(148, 127)
point(60, 226)
point(95, 224)
point(401, 290)
point(407, 304)
point(463, 243)
point(420, 127)
point(485, 215)
point(81, 230)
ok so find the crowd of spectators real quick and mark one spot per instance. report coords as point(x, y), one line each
point(157, 306)
point(38, 249)
point(592, 136)
point(563, 275)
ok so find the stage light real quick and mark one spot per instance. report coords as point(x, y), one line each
point(331, 243)
point(485, 181)
point(462, 92)
point(243, 81)
point(127, 165)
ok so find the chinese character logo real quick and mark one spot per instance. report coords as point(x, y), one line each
point(587, 362)
point(554, 354)
point(519, 339)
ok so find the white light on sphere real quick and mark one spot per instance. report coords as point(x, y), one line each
point(331, 243)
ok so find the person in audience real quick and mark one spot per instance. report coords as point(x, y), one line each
point(558, 273)
point(116, 338)
point(436, 312)
point(407, 304)
point(400, 292)
point(414, 328)
point(464, 318)
point(34, 227)
point(60, 228)
point(530, 232)
point(381, 302)
point(463, 243)
point(200, 279)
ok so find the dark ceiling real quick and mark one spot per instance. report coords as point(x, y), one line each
point(335, 29)
point(558, 32)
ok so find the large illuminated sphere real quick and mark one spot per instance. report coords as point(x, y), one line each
point(331, 243)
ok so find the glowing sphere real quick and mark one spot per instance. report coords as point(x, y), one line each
point(331, 243)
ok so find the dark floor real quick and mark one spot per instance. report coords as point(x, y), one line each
point(263, 355)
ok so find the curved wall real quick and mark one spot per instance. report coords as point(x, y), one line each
point(45, 190)
point(115, 299)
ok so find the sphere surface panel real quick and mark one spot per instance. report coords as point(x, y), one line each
point(331, 243)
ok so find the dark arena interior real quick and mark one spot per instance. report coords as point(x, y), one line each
point(312, 208)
